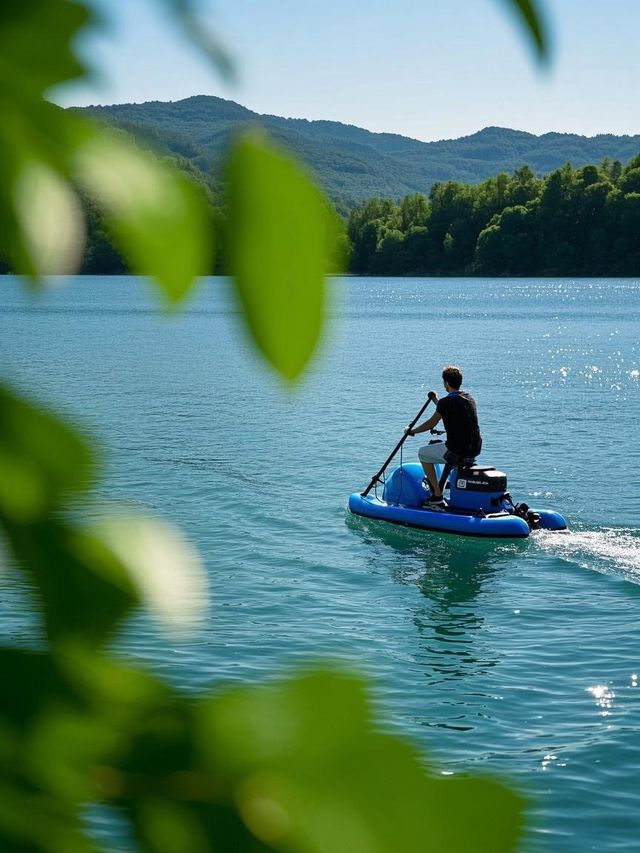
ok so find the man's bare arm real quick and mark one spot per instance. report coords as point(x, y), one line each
point(435, 418)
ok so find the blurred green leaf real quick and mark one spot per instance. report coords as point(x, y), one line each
point(36, 45)
point(50, 219)
point(311, 772)
point(73, 711)
point(529, 14)
point(119, 692)
point(41, 228)
point(47, 745)
point(33, 824)
point(171, 828)
point(63, 717)
point(33, 683)
point(280, 248)
point(164, 790)
point(84, 589)
point(163, 565)
point(160, 220)
point(41, 459)
point(62, 750)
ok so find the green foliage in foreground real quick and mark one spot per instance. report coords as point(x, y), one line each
point(299, 765)
point(293, 765)
point(574, 222)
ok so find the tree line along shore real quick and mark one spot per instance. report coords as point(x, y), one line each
point(573, 222)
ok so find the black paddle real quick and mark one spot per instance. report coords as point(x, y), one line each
point(430, 399)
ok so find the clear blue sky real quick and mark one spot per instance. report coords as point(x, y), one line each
point(430, 69)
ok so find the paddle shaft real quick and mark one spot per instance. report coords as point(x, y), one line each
point(397, 447)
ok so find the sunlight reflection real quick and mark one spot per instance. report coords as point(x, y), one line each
point(604, 697)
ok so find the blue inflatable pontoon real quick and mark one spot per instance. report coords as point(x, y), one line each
point(478, 504)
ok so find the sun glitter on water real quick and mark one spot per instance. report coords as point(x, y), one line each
point(604, 697)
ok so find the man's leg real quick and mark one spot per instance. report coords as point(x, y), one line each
point(430, 471)
point(429, 456)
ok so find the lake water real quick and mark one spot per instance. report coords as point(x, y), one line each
point(515, 659)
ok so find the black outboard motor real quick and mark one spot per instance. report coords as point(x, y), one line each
point(477, 488)
point(482, 489)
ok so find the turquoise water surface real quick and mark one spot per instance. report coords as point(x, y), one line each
point(520, 659)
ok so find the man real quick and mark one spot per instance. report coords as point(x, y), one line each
point(458, 411)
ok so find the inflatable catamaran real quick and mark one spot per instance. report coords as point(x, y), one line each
point(478, 503)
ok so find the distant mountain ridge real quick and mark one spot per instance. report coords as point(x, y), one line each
point(354, 164)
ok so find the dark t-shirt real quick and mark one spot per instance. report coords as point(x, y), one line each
point(458, 410)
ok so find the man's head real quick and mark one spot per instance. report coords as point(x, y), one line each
point(452, 377)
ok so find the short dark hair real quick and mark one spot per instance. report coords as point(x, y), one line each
point(452, 375)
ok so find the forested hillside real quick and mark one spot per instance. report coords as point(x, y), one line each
point(353, 164)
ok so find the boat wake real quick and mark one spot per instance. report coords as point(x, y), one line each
point(609, 550)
